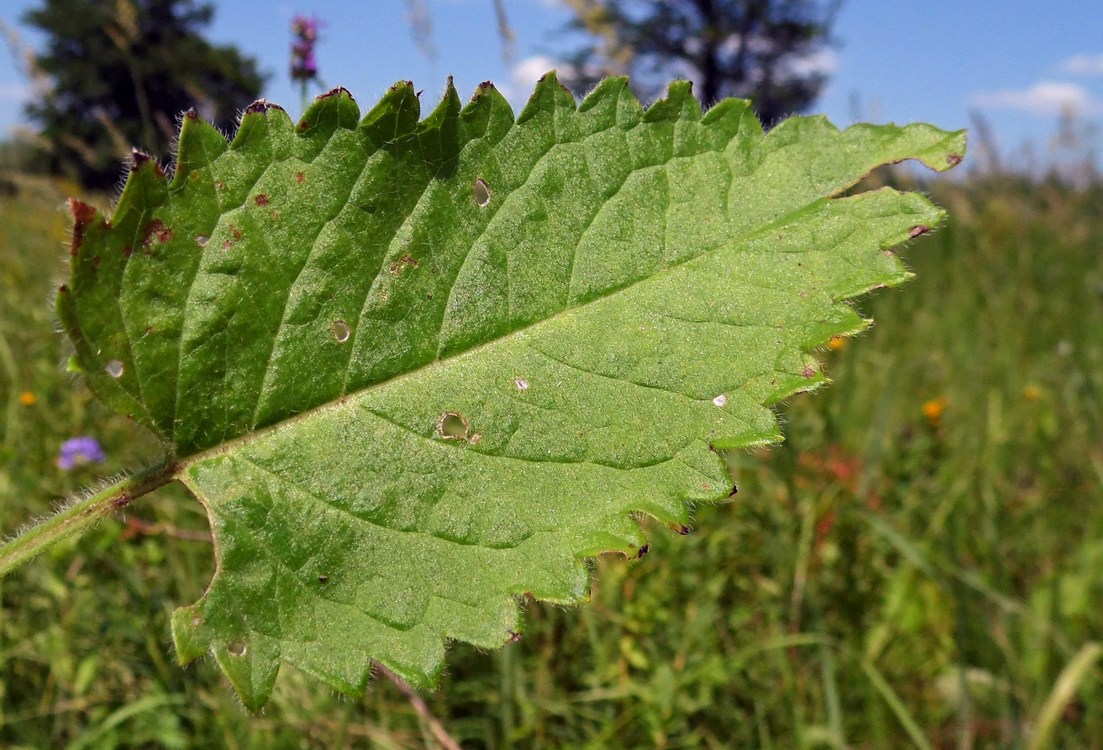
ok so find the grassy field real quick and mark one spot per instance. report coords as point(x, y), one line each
point(920, 565)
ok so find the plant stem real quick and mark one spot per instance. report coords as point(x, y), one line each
point(440, 734)
point(79, 516)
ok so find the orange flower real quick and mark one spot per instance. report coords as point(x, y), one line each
point(933, 409)
point(27, 398)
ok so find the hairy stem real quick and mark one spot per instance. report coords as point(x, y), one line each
point(77, 517)
point(440, 734)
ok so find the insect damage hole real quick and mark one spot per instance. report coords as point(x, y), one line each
point(236, 647)
point(482, 192)
point(341, 331)
point(452, 426)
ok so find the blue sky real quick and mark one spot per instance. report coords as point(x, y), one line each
point(1016, 62)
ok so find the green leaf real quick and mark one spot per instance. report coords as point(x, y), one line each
point(418, 369)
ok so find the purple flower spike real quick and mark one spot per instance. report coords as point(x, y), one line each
point(79, 451)
point(304, 67)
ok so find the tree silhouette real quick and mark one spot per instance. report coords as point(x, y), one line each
point(122, 72)
point(768, 51)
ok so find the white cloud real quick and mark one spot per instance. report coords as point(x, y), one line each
point(823, 61)
point(524, 75)
point(1043, 98)
point(1083, 65)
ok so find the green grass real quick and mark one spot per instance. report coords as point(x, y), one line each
point(884, 579)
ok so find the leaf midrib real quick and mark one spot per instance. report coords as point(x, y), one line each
point(184, 463)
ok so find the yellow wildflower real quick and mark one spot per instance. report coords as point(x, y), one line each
point(27, 398)
point(1032, 392)
point(933, 409)
point(836, 343)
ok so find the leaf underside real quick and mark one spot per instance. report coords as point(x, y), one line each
point(417, 369)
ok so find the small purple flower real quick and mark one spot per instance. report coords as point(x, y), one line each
point(79, 451)
point(304, 66)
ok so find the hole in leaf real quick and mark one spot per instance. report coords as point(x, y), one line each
point(114, 368)
point(720, 400)
point(202, 240)
point(341, 331)
point(452, 426)
point(521, 384)
point(236, 647)
point(482, 193)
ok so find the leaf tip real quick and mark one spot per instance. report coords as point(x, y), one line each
point(262, 106)
point(334, 109)
point(139, 159)
point(339, 92)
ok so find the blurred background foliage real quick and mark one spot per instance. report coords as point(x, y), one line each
point(919, 565)
point(119, 74)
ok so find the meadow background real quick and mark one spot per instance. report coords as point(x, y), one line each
point(918, 565)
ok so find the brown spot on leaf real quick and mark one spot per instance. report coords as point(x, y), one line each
point(83, 216)
point(918, 229)
point(300, 177)
point(219, 184)
point(514, 636)
point(138, 158)
point(808, 371)
point(235, 232)
point(261, 200)
point(406, 261)
point(334, 92)
point(261, 106)
point(226, 245)
point(156, 229)
point(953, 159)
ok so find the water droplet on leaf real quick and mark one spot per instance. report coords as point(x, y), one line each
point(236, 647)
point(341, 331)
point(482, 193)
point(114, 368)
